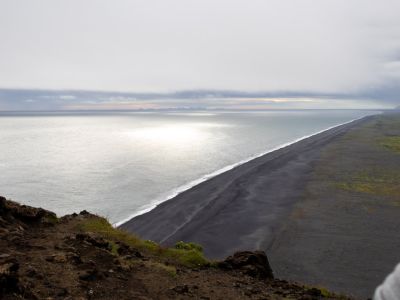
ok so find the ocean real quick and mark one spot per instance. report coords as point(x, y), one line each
point(121, 164)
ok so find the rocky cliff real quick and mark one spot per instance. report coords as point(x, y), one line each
point(81, 256)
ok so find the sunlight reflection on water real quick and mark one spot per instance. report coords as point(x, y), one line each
point(114, 164)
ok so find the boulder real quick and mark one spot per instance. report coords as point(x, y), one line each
point(2, 204)
point(125, 250)
point(11, 210)
point(96, 241)
point(254, 264)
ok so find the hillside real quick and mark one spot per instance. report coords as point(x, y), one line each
point(81, 256)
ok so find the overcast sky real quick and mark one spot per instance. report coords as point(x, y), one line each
point(221, 53)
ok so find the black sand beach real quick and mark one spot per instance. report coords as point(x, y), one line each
point(313, 206)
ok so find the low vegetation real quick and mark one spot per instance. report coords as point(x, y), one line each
point(185, 254)
point(392, 143)
point(321, 290)
point(81, 256)
point(380, 183)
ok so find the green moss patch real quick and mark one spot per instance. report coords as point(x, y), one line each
point(324, 292)
point(188, 246)
point(380, 183)
point(50, 219)
point(392, 143)
point(184, 254)
point(102, 227)
point(189, 258)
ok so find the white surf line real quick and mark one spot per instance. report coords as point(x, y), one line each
point(146, 208)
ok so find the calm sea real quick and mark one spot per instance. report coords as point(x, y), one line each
point(121, 164)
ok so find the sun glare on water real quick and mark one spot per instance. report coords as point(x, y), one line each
point(171, 134)
point(176, 138)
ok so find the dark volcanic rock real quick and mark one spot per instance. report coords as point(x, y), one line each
point(2, 203)
point(93, 240)
point(254, 264)
point(10, 211)
point(8, 278)
point(181, 289)
point(90, 275)
point(63, 261)
point(124, 249)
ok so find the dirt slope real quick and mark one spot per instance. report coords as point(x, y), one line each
point(83, 257)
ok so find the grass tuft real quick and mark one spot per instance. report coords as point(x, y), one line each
point(325, 293)
point(183, 254)
point(50, 219)
point(188, 246)
point(188, 258)
point(102, 227)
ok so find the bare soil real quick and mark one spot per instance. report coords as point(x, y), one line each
point(45, 257)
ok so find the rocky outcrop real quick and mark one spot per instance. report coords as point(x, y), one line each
point(254, 264)
point(45, 257)
point(11, 211)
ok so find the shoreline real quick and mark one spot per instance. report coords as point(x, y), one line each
point(192, 184)
point(303, 205)
point(242, 208)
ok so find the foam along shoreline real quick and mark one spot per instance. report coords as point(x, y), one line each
point(242, 208)
point(183, 188)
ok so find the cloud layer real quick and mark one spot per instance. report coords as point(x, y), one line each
point(42, 100)
point(274, 47)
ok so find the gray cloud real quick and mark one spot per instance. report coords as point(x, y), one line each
point(17, 99)
point(343, 49)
